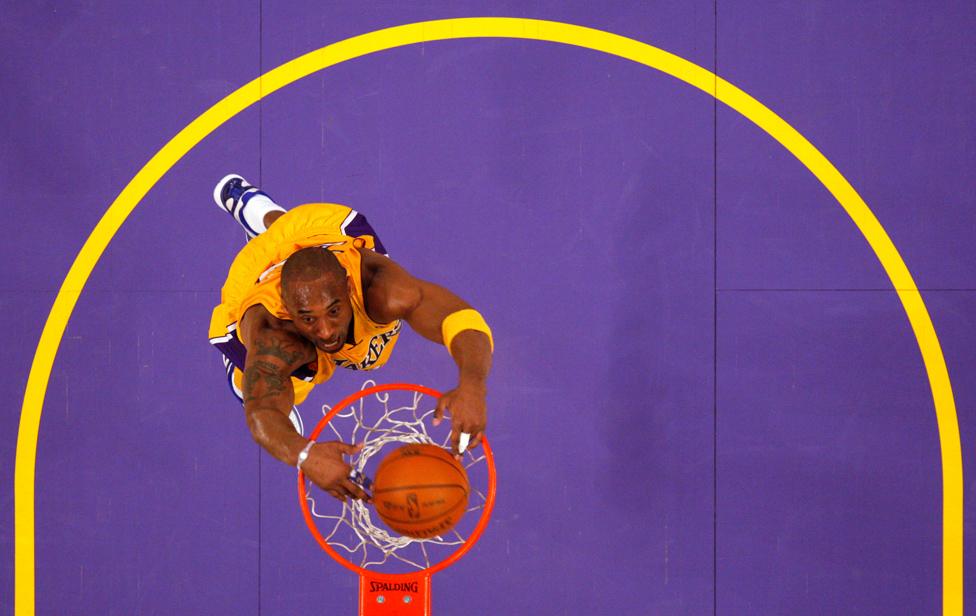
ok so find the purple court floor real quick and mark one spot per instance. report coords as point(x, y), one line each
point(706, 395)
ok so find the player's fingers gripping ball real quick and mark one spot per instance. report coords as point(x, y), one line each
point(420, 491)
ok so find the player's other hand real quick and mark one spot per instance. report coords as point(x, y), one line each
point(325, 468)
point(469, 413)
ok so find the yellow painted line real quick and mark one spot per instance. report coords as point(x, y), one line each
point(492, 27)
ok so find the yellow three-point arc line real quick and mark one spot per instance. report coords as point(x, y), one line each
point(952, 482)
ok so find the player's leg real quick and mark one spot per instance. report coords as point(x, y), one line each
point(250, 206)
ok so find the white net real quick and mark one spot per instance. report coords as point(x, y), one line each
point(388, 419)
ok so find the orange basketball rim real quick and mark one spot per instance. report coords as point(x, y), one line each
point(400, 594)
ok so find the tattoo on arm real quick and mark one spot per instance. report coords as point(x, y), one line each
point(263, 379)
point(274, 347)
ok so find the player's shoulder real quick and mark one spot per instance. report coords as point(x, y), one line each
point(256, 320)
point(262, 332)
point(390, 291)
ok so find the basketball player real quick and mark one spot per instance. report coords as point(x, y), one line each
point(313, 289)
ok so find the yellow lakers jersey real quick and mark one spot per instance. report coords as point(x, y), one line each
point(255, 279)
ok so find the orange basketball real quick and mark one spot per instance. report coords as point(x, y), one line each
point(420, 491)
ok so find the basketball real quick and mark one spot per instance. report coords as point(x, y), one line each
point(420, 491)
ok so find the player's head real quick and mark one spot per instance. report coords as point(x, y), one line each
point(315, 290)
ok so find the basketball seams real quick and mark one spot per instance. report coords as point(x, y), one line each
point(463, 500)
point(442, 456)
point(452, 463)
point(422, 486)
point(441, 515)
point(405, 471)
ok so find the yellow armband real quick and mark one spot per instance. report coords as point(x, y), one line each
point(457, 322)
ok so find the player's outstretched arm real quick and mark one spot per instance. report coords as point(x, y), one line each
point(395, 294)
point(268, 393)
point(272, 355)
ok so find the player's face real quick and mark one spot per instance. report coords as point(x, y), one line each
point(321, 311)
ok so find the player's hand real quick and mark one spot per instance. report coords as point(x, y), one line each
point(326, 469)
point(469, 413)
